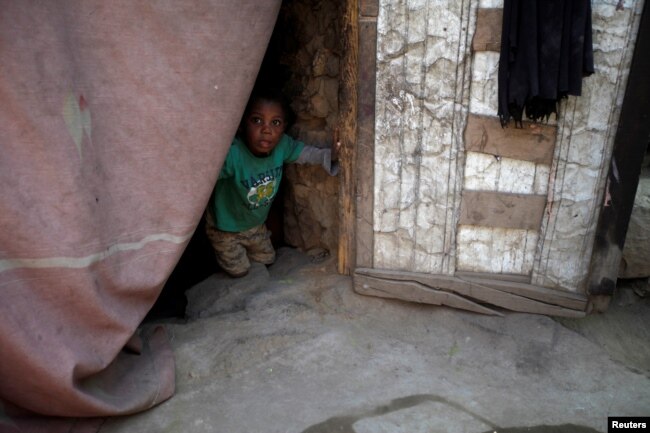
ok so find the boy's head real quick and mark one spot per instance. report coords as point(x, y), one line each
point(266, 118)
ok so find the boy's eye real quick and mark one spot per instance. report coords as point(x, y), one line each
point(256, 120)
point(276, 122)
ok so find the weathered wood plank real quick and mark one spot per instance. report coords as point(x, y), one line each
point(365, 143)
point(484, 293)
point(534, 142)
point(544, 294)
point(416, 292)
point(505, 210)
point(348, 135)
point(488, 30)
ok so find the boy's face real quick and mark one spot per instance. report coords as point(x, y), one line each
point(263, 127)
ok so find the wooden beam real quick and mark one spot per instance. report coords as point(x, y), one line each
point(369, 8)
point(348, 136)
point(544, 294)
point(416, 292)
point(534, 142)
point(504, 210)
point(366, 142)
point(488, 30)
point(533, 303)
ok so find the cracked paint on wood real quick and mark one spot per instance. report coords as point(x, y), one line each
point(496, 250)
point(422, 100)
point(586, 131)
point(484, 172)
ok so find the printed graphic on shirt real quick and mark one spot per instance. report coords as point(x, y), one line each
point(261, 195)
point(262, 189)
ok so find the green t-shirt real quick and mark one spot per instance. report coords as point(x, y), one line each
point(248, 184)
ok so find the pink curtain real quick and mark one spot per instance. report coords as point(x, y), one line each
point(115, 118)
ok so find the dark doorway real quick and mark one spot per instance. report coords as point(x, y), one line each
point(303, 59)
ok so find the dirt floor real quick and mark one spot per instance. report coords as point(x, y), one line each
point(294, 349)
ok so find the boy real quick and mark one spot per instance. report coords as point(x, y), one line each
point(249, 181)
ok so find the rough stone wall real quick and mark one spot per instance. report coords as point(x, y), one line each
point(421, 166)
point(312, 55)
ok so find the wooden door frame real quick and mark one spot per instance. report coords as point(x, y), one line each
point(359, 252)
point(348, 134)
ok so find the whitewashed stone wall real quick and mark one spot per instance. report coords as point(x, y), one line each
point(499, 250)
point(486, 249)
point(427, 83)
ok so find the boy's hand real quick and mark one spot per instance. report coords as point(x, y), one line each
point(336, 146)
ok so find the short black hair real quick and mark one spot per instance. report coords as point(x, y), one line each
point(271, 94)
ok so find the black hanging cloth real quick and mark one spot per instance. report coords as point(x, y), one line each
point(546, 49)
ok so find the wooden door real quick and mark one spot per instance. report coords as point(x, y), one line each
point(452, 209)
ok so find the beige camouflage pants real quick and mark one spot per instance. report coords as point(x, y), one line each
point(233, 250)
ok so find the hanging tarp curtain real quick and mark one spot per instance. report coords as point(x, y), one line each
point(115, 118)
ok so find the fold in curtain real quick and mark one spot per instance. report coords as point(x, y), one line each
point(115, 118)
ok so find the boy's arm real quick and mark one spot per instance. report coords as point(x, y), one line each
point(326, 158)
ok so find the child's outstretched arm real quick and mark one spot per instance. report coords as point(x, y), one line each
point(326, 158)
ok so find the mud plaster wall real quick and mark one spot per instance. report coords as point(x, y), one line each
point(311, 54)
point(428, 82)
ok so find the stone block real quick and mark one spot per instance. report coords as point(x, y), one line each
point(495, 250)
point(490, 4)
point(484, 89)
point(318, 106)
point(311, 209)
point(485, 172)
point(542, 175)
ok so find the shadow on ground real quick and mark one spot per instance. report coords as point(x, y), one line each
point(624, 330)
